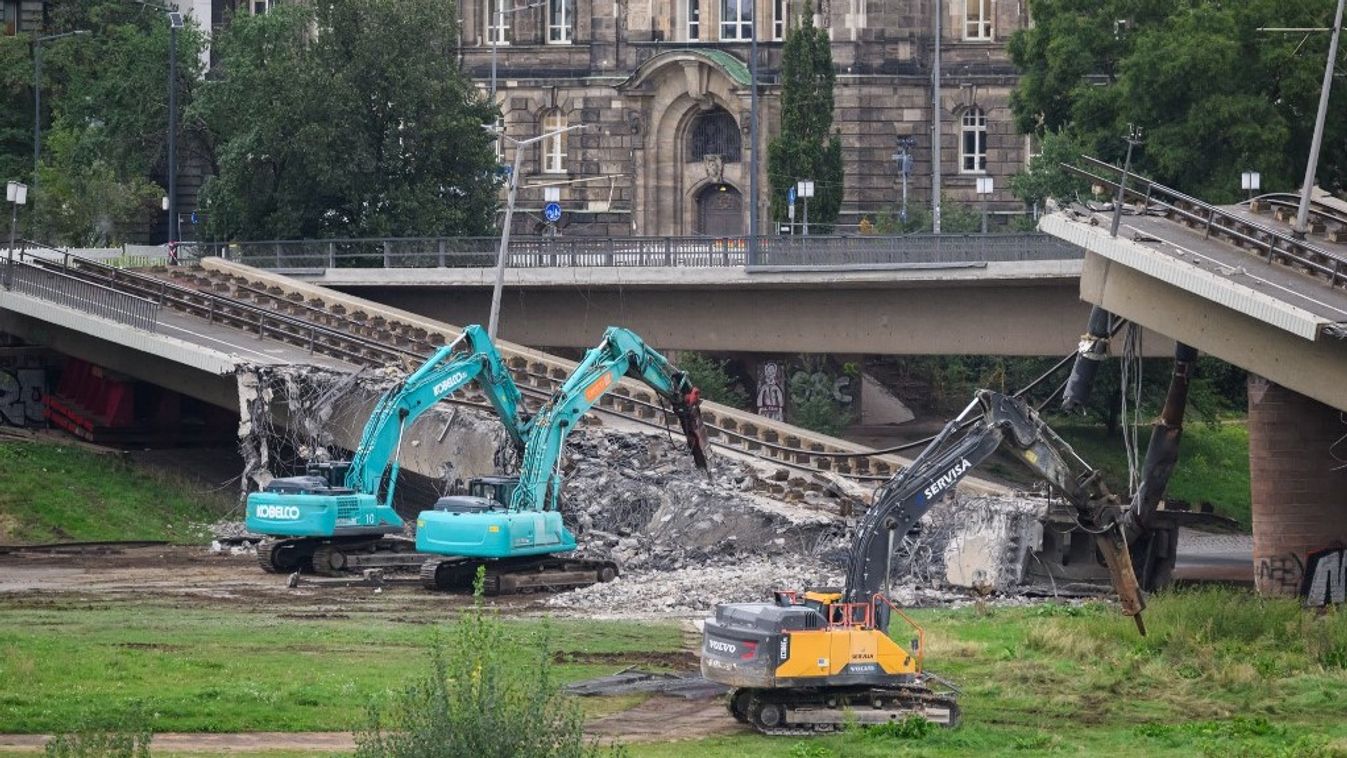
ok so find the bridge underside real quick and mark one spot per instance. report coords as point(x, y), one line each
point(930, 319)
point(1279, 325)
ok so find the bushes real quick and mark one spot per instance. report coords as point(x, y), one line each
point(483, 697)
point(713, 379)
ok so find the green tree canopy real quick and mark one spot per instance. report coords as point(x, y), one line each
point(806, 147)
point(346, 118)
point(105, 104)
point(1214, 95)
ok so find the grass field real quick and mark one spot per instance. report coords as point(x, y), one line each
point(58, 492)
point(1220, 673)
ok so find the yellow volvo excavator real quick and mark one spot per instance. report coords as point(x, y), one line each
point(814, 661)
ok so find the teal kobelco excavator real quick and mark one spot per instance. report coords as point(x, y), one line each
point(339, 516)
point(517, 531)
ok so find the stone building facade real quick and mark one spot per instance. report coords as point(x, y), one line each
point(663, 89)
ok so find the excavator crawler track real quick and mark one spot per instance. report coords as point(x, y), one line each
point(285, 556)
point(509, 576)
point(805, 711)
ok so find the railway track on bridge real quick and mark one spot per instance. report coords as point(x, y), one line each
point(371, 340)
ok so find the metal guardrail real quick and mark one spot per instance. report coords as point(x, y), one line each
point(72, 292)
point(1269, 244)
point(698, 252)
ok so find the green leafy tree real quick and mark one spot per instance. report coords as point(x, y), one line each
point(16, 110)
point(1045, 178)
point(346, 118)
point(806, 147)
point(1214, 95)
point(104, 152)
point(712, 377)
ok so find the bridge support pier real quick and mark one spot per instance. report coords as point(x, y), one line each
point(1299, 488)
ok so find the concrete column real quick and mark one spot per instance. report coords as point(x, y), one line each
point(1299, 488)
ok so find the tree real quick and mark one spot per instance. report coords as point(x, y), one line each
point(806, 147)
point(713, 379)
point(104, 155)
point(346, 118)
point(1214, 95)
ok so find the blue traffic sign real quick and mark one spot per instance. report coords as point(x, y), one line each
point(790, 195)
point(552, 212)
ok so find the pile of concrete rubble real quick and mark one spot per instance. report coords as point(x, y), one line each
point(687, 541)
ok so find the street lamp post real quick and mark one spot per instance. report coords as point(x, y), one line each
point(37, 96)
point(175, 22)
point(1133, 139)
point(519, 146)
point(1303, 212)
point(985, 187)
point(17, 194)
point(904, 159)
point(495, 26)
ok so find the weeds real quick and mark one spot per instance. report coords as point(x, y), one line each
point(911, 728)
point(483, 697)
point(128, 737)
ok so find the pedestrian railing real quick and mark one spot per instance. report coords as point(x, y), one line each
point(70, 291)
point(692, 252)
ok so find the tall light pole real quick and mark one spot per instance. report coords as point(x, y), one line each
point(501, 254)
point(753, 139)
point(1133, 139)
point(1303, 213)
point(935, 126)
point(495, 26)
point(175, 22)
point(37, 97)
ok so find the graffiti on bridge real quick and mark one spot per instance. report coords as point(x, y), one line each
point(21, 396)
point(1325, 579)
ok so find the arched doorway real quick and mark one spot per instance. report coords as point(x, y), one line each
point(720, 211)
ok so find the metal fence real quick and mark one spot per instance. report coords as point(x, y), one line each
point(71, 292)
point(698, 252)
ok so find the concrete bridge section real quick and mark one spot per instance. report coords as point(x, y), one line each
point(199, 340)
point(973, 308)
point(1247, 292)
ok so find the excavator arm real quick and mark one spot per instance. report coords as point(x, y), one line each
point(621, 353)
point(956, 451)
point(470, 357)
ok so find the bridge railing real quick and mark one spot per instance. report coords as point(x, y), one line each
point(698, 252)
point(56, 286)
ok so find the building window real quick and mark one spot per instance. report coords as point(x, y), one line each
point(977, 19)
point(554, 147)
point(694, 19)
point(736, 19)
point(497, 22)
point(560, 19)
point(973, 142)
point(714, 133)
point(258, 7)
point(10, 10)
point(778, 20)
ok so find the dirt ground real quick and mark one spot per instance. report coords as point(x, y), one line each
point(193, 577)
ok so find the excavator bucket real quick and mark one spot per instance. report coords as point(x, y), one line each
point(689, 413)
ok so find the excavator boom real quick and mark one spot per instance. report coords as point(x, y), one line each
point(527, 524)
point(352, 502)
